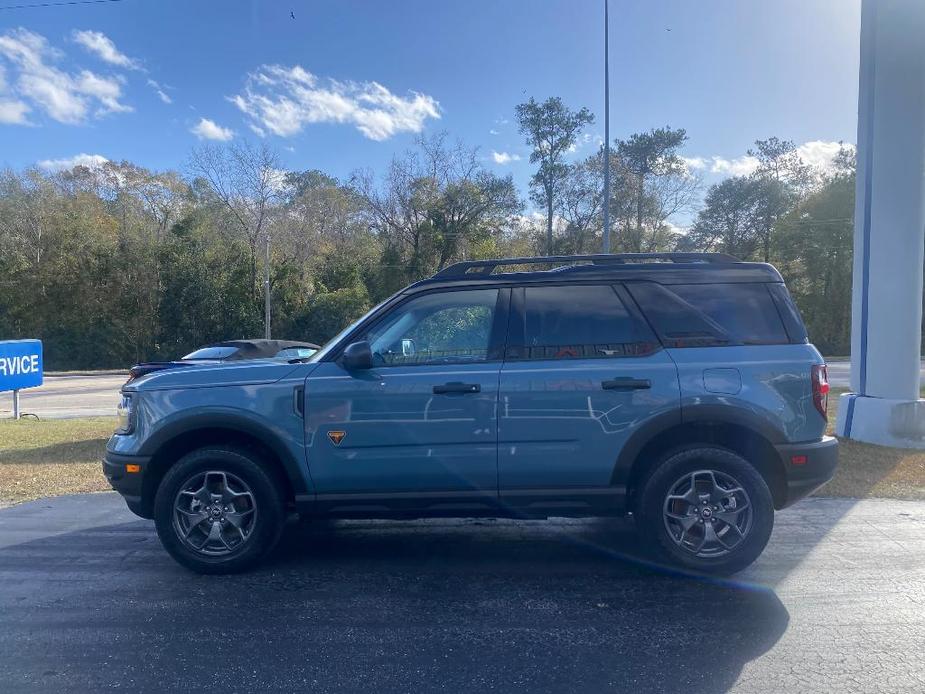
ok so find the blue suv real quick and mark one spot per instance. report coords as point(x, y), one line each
point(678, 387)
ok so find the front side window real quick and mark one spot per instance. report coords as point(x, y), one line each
point(439, 328)
point(580, 321)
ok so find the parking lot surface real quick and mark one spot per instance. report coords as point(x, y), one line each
point(94, 395)
point(90, 601)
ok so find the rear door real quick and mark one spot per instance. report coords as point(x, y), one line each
point(423, 419)
point(582, 372)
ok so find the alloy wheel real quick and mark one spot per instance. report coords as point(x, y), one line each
point(214, 513)
point(707, 513)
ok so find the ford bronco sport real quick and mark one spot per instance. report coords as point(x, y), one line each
point(677, 387)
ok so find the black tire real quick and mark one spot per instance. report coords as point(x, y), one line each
point(246, 472)
point(746, 535)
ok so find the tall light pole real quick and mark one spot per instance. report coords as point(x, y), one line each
point(606, 131)
point(266, 285)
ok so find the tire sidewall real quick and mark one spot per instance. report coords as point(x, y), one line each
point(666, 474)
point(267, 524)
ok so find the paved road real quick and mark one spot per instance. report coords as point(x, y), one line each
point(69, 396)
point(89, 601)
point(840, 374)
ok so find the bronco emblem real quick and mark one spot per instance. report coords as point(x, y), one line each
point(336, 436)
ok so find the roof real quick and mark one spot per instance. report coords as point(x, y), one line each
point(665, 268)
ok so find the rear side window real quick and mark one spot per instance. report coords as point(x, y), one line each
point(580, 321)
point(745, 311)
point(704, 315)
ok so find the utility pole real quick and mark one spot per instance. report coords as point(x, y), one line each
point(606, 130)
point(266, 285)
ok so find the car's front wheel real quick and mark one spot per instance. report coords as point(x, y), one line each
point(217, 510)
point(706, 509)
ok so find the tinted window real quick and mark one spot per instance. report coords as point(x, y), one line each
point(788, 312)
point(745, 311)
point(580, 321)
point(212, 353)
point(677, 323)
point(449, 327)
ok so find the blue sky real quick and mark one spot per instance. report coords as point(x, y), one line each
point(347, 84)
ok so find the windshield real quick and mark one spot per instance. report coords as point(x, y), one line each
point(210, 353)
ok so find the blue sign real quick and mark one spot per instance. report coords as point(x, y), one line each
point(20, 364)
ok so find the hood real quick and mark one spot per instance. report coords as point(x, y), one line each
point(199, 375)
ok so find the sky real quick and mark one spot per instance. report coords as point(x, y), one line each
point(341, 85)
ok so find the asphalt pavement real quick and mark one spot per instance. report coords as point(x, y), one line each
point(840, 374)
point(60, 397)
point(89, 601)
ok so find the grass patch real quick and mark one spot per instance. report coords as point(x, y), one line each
point(865, 470)
point(52, 457)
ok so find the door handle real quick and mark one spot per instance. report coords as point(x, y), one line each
point(457, 387)
point(624, 383)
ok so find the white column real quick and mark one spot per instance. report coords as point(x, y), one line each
point(889, 231)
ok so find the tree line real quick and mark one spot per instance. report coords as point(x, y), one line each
point(115, 264)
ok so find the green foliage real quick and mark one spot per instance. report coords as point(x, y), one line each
point(117, 264)
point(797, 218)
point(812, 247)
point(551, 129)
point(330, 311)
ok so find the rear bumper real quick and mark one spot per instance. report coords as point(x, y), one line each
point(128, 484)
point(807, 466)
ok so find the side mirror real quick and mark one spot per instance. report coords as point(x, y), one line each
point(357, 355)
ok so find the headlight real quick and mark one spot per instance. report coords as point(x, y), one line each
point(126, 414)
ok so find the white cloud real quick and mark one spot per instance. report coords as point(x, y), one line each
point(98, 43)
point(91, 161)
point(13, 112)
point(207, 129)
point(695, 162)
point(66, 97)
point(493, 132)
point(504, 157)
point(820, 154)
point(158, 89)
point(742, 166)
point(283, 100)
point(107, 90)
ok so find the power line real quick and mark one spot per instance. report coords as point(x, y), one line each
point(56, 4)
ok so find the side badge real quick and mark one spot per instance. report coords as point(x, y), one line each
point(336, 436)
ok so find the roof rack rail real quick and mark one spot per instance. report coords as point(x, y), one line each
point(486, 267)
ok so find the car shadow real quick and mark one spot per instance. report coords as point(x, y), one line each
point(558, 605)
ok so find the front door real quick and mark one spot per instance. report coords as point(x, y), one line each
point(423, 419)
point(583, 373)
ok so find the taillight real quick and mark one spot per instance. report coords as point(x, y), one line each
point(820, 376)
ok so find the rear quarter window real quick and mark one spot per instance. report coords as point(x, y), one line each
point(745, 311)
point(711, 315)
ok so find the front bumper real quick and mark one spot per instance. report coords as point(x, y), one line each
point(807, 466)
point(116, 468)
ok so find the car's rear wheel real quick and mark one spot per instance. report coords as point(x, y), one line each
point(217, 510)
point(706, 509)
